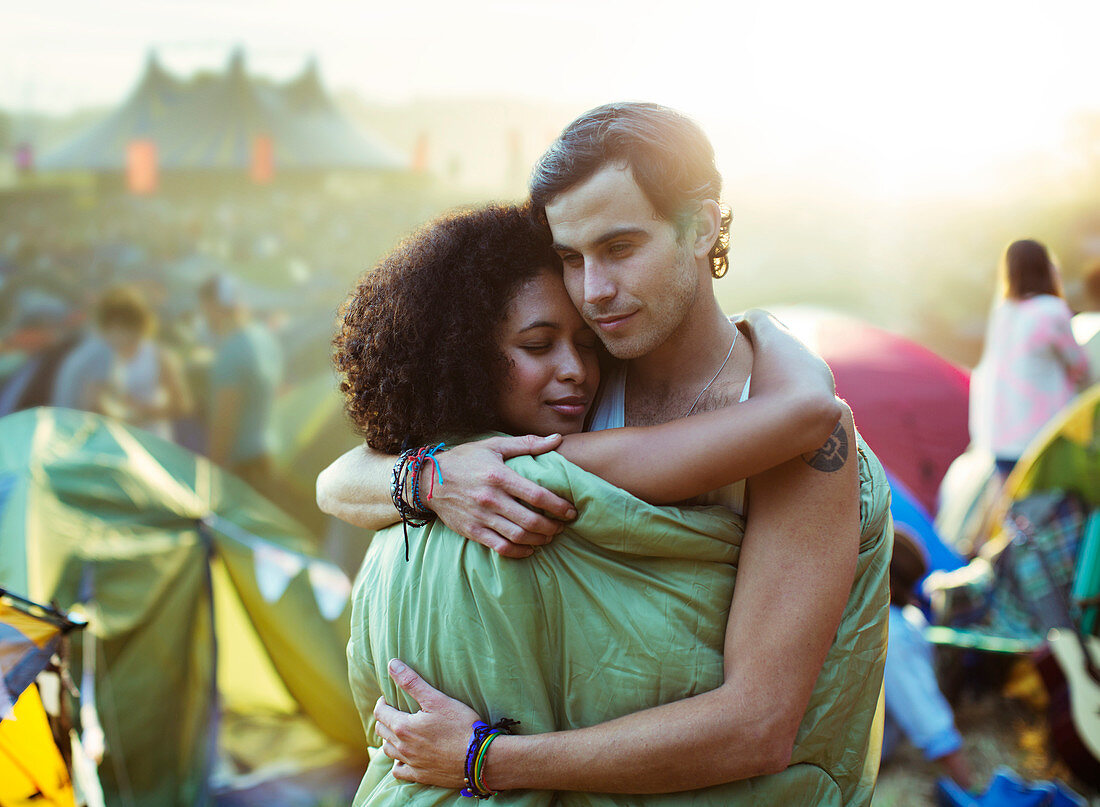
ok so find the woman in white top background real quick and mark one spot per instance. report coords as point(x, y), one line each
point(1031, 365)
point(144, 383)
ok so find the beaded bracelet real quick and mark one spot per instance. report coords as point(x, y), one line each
point(480, 740)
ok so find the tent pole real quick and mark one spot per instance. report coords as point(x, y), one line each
point(203, 796)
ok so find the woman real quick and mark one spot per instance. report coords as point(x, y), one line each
point(1031, 366)
point(145, 383)
point(626, 609)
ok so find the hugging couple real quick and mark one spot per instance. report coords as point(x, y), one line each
point(660, 454)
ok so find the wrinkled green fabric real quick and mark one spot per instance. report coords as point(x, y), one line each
point(625, 610)
point(163, 535)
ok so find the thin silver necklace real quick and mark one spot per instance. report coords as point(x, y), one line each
point(720, 369)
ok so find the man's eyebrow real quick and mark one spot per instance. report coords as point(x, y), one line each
point(610, 235)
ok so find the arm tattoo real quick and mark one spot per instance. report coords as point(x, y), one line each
point(831, 456)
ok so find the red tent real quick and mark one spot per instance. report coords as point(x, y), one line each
point(910, 405)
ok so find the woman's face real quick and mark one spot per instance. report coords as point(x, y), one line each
point(124, 340)
point(553, 365)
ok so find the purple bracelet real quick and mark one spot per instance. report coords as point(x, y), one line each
point(482, 733)
point(481, 729)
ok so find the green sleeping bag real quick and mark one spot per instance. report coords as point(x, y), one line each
point(625, 610)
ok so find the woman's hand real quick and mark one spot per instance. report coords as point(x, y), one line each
point(781, 360)
point(486, 501)
point(428, 747)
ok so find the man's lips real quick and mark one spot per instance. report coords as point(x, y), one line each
point(569, 406)
point(611, 322)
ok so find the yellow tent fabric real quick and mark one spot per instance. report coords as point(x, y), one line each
point(39, 632)
point(1063, 456)
point(32, 772)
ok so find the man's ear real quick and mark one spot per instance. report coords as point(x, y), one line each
point(708, 225)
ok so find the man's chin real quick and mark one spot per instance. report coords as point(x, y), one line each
point(626, 349)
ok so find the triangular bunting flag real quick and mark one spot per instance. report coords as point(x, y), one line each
point(331, 589)
point(275, 568)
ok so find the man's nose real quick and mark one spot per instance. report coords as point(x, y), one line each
point(598, 286)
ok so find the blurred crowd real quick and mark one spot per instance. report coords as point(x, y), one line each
point(189, 315)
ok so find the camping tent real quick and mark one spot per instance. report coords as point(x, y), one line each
point(908, 513)
point(967, 492)
point(219, 636)
point(910, 405)
point(1054, 486)
point(32, 771)
point(313, 430)
point(1064, 456)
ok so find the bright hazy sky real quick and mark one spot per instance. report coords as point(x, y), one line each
point(907, 89)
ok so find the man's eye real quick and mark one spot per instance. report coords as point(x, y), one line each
point(619, 249)
point(571, 259)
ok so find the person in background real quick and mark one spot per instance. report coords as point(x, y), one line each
point(244, 377)
point(1031, 366)
point(915, 706)
point(88, 364)
point(123, 372)
point(1086, 325)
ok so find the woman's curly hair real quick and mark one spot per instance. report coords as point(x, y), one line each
point(417, 342)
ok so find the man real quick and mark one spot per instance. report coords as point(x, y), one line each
point(244, 378)
point(630, 194)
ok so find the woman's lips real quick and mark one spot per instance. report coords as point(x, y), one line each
point(572, 406)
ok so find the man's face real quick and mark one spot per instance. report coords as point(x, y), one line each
point(625, 269)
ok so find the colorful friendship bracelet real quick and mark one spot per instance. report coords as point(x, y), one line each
point(406, 477)
point(480, 740)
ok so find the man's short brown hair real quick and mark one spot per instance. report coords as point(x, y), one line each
point(668, 155)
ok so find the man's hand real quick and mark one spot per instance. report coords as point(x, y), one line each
point(484, 500)
point(428, 747)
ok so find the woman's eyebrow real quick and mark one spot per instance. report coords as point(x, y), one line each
point(538, 324)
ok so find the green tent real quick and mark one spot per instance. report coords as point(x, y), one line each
point(312, 429)
point(1064, 456)
point(216, 637)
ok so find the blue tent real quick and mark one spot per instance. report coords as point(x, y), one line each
point(908, 513)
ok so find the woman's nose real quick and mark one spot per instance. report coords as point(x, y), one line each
point(571, 365)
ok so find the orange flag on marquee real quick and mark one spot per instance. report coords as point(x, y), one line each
point(141, 167)
point(263, 159)
point(420, 154)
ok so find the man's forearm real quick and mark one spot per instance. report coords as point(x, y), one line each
point(356, 489)
point(715, 737)
point(795, 573)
